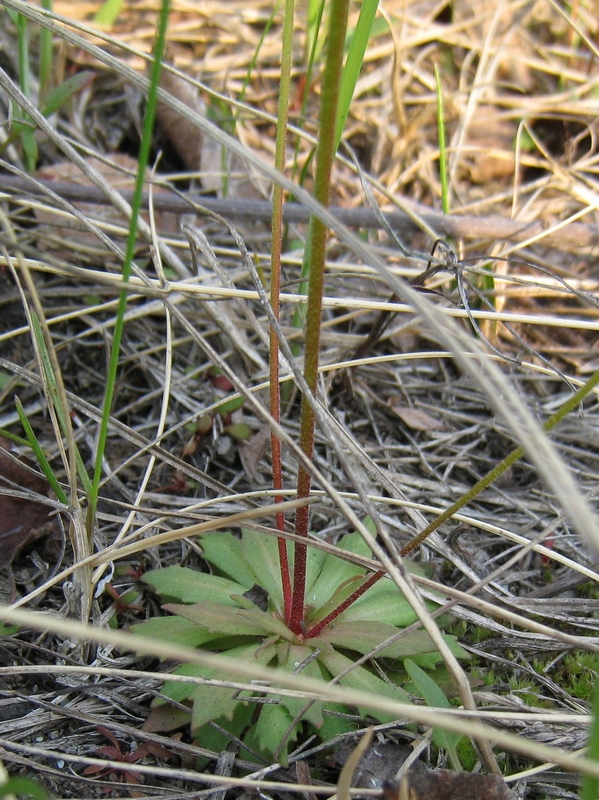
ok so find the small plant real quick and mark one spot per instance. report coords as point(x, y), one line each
point(300, 610)
point(202, 428)
point(122, 603)
point(294, 608)
point(48, 99)
point(115, 753)
point(239, 610)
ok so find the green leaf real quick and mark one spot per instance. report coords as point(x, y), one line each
point(240, 431)
point(443, 172)
point(335, 571)
point(190, 586)
point(297, 655)
point(262, 556)
point(353, 64)
point(242, 601)
point(229, 406)
point(24, 787)
point(58, 97)
point(108, 13)
point(228, 621)
point(271, 731)
point(210, 702)
point(55, 396)
point(355, 635)
point(384, 602)
point(8, 630)
point(40, 455)
point(316, 561)
point(590, 784)
point(434, 698)
point(341, 593)
point(429, 660)
point(29, 145)
point(360, 678)
point(174, 629)
point(219, 738)
point(224, 551)
point(335, 722)
point(179, 691)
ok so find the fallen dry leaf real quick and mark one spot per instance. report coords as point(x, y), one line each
point(421, 783)
point(379, 765)
point(22, 520)
point(184, 136)
point(416, 418)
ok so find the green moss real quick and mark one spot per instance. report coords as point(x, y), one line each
point(578, 674)
point(525, 688)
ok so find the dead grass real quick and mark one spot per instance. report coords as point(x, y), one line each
point(520, 82)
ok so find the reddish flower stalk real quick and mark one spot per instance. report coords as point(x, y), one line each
point(275, 292)
point(302, 521)
point(316, 629)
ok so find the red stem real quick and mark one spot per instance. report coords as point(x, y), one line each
point(275, 292)
point(316, 629)
point(280, 523)
point(275, 404)
point(302, 521)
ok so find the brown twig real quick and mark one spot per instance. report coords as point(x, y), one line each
point(575, 235)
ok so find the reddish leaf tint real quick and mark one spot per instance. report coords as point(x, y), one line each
point(221, 382)
point(421, 783)
point(115, 753)
point(22, 521)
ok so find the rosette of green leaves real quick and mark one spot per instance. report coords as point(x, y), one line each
point(237, 611)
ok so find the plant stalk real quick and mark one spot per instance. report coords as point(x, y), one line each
point(275, 292)
point(325, 154)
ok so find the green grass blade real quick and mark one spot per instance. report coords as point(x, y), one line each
point(443, 170)
point(40, 456)
point(23, 54)
point(58, 97)
point(26, 134)
point(108, 13)
point(434, 698)
point(45, 56)
point(251, 70)
point(315, 14)
point(18, 440)
point(54, 396)
point(351, 71)
point(353, 63)
point(144, 155)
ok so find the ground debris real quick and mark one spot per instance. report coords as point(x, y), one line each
point(22, 520)
point(421, 783)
